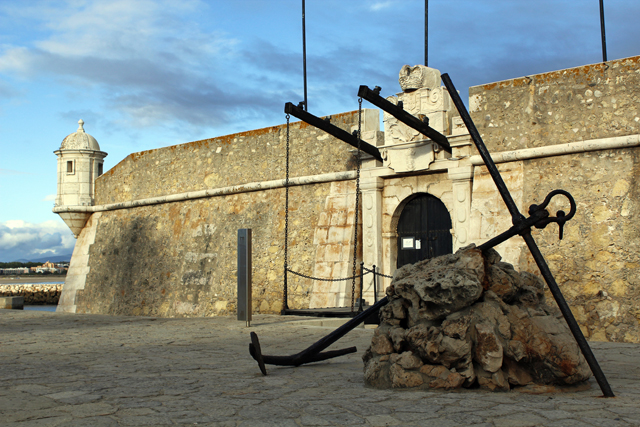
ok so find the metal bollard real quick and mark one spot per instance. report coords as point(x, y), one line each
point(244, 275)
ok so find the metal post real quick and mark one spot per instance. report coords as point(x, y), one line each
point(244, 275)
point(604, 40)
point(304, 58)
point(483, 151)
point(361, 302)
point(375, 285)
point(426, 33)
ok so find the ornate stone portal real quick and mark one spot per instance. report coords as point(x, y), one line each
point(414, 164)
point(463, 320)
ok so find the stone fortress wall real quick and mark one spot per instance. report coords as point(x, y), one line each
point(161, 240)
point(179, 258)
point(596, 264)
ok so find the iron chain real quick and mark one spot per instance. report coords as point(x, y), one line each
point(285, 305)
point(355, 223)
point(376, 273)
point(320, 279)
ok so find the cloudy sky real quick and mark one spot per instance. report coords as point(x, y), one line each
point(144, 74)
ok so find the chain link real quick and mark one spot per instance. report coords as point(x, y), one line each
point(320, 279)
point(285, 304)
point(355, 223)
point(377, 273)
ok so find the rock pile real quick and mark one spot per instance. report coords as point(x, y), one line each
point(468, 320)
point(34, 294)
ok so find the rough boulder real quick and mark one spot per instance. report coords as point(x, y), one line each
point(467, 320)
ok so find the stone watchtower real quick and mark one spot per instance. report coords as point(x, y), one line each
point(80, 162)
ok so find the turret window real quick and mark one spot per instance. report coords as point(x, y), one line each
point(70, 167)
point(99, 169)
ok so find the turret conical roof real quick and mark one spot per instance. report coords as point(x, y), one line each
point(80, 140)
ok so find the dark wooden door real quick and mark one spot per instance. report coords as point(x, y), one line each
point(423, 230)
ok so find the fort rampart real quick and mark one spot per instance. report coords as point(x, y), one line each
point(174, 257)
point(161, 239)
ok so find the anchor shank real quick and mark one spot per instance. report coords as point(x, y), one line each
point(568, 315)
point(516, 216)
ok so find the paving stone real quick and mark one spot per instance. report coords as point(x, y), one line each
point(553, 414)
point(20, 401)
point(344, 418)
point(137, 378)
point(93, 422)
point(382, 420)
point(313, 420)
point(65, 395)
point(35, 389)
point(42, 422)
point(145, 420)
point(521, 419)
point(269, 423)
point(606, 422)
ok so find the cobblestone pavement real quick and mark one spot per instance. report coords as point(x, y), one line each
point(90, 370)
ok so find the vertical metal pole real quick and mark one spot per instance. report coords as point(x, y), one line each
point(360, 304)
point(304, 59)
point(426, 33)
point(516, 216)
point(375, 285)
point(604, 40)
point(244, 275)
point(285, 296)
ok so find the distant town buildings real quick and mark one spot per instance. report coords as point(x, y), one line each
point(14, 271)
point(48, 267)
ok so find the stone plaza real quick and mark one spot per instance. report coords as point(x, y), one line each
point(59, 369)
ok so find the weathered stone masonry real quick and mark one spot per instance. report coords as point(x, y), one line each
point(162, 234)
point(179, 259)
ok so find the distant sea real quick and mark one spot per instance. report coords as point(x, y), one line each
point(51, 308)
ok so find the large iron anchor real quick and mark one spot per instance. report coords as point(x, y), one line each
point(539, 218)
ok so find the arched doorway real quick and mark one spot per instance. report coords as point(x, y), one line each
point(423, 230)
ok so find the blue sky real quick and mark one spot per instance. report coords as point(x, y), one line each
point(144, 74)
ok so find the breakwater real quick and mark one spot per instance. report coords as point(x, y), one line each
point(34, 294)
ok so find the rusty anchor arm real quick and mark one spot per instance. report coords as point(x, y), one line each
point(373, 96)
point(314, 352)
point(332, 130)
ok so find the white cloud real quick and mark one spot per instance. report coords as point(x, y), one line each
point(49, 198)
point(24, 240)
point(149, 60)
point(12, 172)
point(380, 5)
